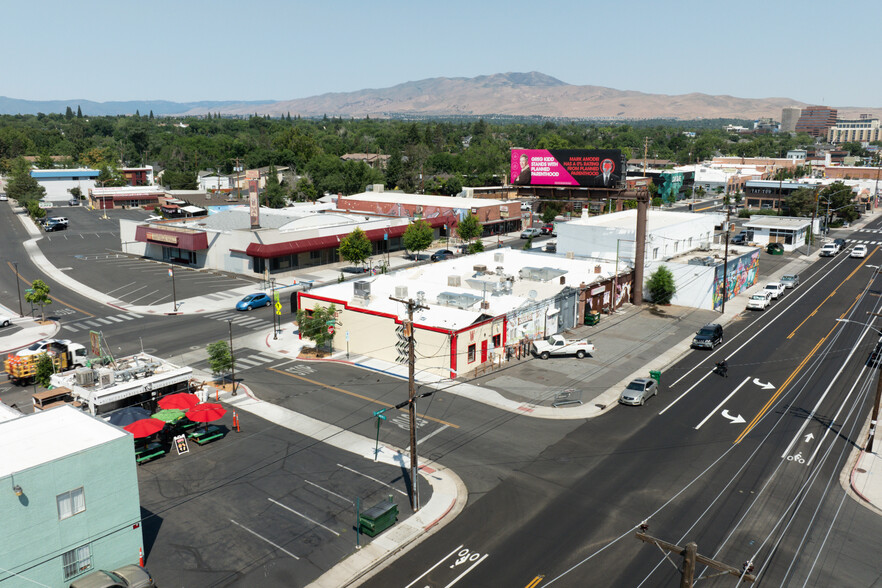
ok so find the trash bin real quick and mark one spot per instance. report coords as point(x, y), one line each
point(378, 518)
point(592, 318)
point(655, 375)
point(775, 249)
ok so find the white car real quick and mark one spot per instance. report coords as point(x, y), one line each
point(5, 321)
point(759, 302)
point(775, 289)
point(829, 250)
point(858, 251)
point(40, 347)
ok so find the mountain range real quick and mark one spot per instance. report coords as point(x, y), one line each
point(530, 94)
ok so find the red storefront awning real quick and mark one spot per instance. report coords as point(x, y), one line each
point(188, 239)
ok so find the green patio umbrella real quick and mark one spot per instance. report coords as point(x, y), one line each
point(169, 415)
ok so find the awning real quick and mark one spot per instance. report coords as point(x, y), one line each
point(187, 239)
point(141, 196)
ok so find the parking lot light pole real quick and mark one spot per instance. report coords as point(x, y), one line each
point(232, 357)
point(171, 273)
point(18, 289)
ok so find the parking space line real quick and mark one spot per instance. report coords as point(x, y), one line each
point(329, 491)
point(158, 300)
point(340, 465)
point(120, 288)
point(279, 547)
point(144, 296)
point(289, 509)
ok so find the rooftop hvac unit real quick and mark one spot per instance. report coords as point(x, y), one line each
point(421, 297)
point(498, 257)
point(400, 291)
point(479, 269)
point(362, 289)
point(85, 377)
point(454, 281)
point(105, 378)
point(500, 270)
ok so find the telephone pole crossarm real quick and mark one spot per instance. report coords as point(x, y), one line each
point(692, 557)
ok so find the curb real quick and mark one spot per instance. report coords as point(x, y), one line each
point(49, 336)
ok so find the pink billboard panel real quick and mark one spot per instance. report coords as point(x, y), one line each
point(592, 168)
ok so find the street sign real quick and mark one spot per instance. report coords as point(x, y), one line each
point(330, 330)
point(347, 335)
point(278, 308)
point(331, 323)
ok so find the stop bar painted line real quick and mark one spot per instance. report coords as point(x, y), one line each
point(725, 400)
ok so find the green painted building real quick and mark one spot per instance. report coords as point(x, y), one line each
point(69, 501)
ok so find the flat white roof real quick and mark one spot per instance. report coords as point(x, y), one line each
point(771, 222)
point(627, 219)
point(425, 200)
point(43, 437)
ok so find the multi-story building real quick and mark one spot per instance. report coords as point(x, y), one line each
point(70, 499)
point(816, 120)
point(861, 130)
point(59, 182)
point(789, 116)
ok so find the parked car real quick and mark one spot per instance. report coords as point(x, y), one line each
point(50, 226)
point(759, 302)
point(5, 321)
point(530, 233)
point(548, 229)
point(858, 251)
point(40, 347)
point(638, 391)
point(558, 345)
point(130, 576)
point(829, 250)
point(551, 247)
point(775, 289)
point(790, 280)
point(3, 198)
point(708, 337)
point(739, 239)
point(442, 254)
point(253, 301)
point(73, 202)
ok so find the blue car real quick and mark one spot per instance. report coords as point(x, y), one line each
point(253, 301)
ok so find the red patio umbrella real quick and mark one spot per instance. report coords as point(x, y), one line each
point(179, 401)
point(144, 427)
point(206, 412)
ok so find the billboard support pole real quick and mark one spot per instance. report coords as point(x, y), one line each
point(640, 247)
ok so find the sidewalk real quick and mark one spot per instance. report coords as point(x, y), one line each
point(23, 331)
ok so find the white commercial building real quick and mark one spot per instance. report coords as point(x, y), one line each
point(791, 232)
point(59, 182)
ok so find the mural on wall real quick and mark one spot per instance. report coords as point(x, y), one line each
point(740, 274)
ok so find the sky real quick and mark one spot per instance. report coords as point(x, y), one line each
point(186, 50)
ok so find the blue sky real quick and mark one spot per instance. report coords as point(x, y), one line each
point(188, 50)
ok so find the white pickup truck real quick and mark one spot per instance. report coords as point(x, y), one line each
point(558, 345)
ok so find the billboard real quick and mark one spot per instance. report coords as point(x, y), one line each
point(589, 168)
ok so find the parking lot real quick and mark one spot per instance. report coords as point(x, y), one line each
point(263, 504)
point(90, 250)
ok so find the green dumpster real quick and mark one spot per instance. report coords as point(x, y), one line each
point(592, 318)
point(378, 518)
point(775, 249)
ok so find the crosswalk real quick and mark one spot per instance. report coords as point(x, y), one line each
point(877, 231)
point(241, 319)
point(97, 322)
point(863, 242)
point(246, 360)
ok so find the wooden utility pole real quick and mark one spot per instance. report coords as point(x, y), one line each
point(726, 264)
point(645, 152)
point(411, 396)
point(691, 557)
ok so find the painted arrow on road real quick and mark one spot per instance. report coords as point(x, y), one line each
point(809, 437)
point(733, 419)
point(766, 386)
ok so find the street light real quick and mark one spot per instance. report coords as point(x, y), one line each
point(232, 357)
point(18, 289)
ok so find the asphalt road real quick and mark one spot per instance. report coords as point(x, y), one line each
point(747, 466)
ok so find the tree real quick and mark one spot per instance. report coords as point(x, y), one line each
point(476, 247)
point(44, 370)
point(801, 202)
point(469, 228)
point(661, 285)
point(313, 324)
point(68, 114)
point(305, 190)
point(39, 294)
point(418, 237)
point(109, 176)
point(220, 359)
point(21, 187)
point(274, 193)
point(76, 193)
point(394, 169)
point(79, 112)
point(550, 213)
point(355, 247)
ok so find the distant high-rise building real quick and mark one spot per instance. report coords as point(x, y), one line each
point(862, 130)
point(816, 120)
point(789, 116)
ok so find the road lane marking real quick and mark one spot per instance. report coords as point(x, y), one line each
point(440, 561)
point(725, 400)
point(833, 293)
point(54, 297)
point(792, 375)
point(340, 465)
point(535, 582)
point(356, 395)
point(332, 493)
point(289, 509)
point(470, 568)
point(432, 434)
point(279, 547)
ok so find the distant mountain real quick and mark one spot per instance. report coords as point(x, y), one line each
point(530, 94)
point(89, 107)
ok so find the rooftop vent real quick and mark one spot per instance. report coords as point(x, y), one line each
point(498, 257)
point(401, 292)
point(461, 300)
point(479, 269)
point(454, 281)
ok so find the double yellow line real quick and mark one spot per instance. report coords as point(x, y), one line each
point(535, 582)
point(796, 371)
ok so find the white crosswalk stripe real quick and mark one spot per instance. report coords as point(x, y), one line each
point(242, 320)
point(97, 322)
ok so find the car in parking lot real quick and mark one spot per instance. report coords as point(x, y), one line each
point(530, 233)
point(759, 302)
point(253, 301)
point(708, 337)
point(775, 289)
point(441, 255)
point(790, 280)
point(829, 250)
point(638, 391)
point(130, 576)
point(858, 251)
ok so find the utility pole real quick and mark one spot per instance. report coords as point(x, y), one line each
point(411, 395)
point(691, 557)
point(232, 358)
point(726, 265)
point(875, 418)
point(238, 181)
point(645, 152)
point(814, 214)
point(18, 289)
